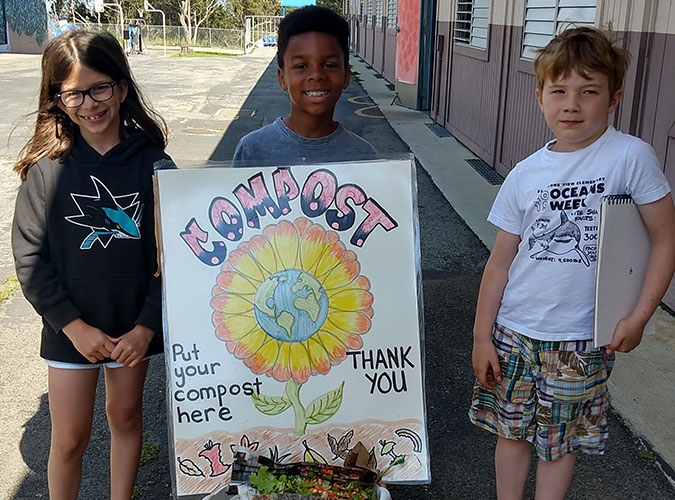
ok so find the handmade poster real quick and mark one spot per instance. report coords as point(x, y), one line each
point(292, 317)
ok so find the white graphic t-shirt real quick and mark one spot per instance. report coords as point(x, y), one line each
point(551, 200)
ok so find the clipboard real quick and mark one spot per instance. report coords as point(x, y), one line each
point(624, 249)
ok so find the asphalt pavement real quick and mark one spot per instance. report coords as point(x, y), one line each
point(209, 103)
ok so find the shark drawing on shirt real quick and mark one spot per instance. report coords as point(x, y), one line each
point(107, 216)
point(560, 240)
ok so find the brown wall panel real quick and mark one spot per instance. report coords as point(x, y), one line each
point(524, 129)
point(474, 99)
point(664, 117)
point(440, 87)
point(390, 54)
point(363, 35)
point(370, 41)
point(378, 49)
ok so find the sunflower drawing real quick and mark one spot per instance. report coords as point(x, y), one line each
point(290, 303)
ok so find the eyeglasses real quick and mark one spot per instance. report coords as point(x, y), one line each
point(99, 93)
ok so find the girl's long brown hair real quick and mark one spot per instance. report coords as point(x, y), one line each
point(54, 131)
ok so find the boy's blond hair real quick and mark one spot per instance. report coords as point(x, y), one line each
point(582, 50)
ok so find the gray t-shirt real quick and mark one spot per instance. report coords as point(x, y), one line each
point(277, 145)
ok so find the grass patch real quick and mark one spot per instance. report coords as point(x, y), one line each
point(136, 492)
point(203, 53)
point(647, 455)
point(149, 452)
point(9, 285)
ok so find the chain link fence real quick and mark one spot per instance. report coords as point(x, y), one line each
point(152, 36)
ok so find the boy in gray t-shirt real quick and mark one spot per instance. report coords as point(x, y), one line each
point(313, 59)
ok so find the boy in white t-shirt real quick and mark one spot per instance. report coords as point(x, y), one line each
point(540, 382)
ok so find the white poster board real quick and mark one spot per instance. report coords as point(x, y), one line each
point(292, 318)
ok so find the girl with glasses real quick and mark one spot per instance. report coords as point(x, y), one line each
point(84, 249)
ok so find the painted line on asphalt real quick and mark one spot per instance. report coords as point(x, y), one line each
point(362, 111)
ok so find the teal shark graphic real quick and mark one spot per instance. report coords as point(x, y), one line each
point(106, 215)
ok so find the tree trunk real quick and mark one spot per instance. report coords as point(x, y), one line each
point(185, 17)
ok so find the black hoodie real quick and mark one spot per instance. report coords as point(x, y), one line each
point(84, 242)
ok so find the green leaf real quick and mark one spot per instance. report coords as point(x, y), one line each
point(325, 406)
point(270, 405)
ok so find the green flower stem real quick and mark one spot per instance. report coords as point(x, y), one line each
point(292, 394)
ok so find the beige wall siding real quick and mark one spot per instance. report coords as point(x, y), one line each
point(23, 44)
point(652, 16)
point(444, 8)
point(474, 97)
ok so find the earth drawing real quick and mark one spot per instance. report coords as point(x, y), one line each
point(291, 305)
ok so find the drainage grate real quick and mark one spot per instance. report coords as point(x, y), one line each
point(389, 86)
point(438, 130)
point(377, 75)
point(488, 173)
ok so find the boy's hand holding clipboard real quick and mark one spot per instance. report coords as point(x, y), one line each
point(624, 249)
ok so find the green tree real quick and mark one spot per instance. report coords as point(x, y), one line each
point(336, 5)
point(71, 10)
point(237, 10)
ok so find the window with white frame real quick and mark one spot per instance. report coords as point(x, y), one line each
point(471, 23)
point(360, 12)
point(379, 11)
point(546, 18)
point(392, 13)
point(369, 12)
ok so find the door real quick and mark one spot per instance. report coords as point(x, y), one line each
point(427, 29)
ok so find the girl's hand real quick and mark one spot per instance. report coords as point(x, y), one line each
point(132, 346)
point(627, 336)
point(89, 341)
point(486, 364)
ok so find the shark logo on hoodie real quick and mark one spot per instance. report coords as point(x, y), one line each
point(107, 216)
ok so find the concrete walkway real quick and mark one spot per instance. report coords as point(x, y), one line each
point(642, 385)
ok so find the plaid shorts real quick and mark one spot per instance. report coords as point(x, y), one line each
point(552, 394)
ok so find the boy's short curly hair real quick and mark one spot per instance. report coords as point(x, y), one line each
point(582, 49)
point(312, 18)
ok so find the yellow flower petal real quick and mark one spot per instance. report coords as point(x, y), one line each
point(233, 327)
point(286, 244)
point(333, 343)
point(302, 225)
point(282, 368)
point(318, 356)
point(230, 281)
point(342, 274)
point(263, 253)
point(266, 356)
point(360, 283)
point(231, 344)
point(231, 304)
point(312, 246)
point(247, 346)
point(299, 362)
point(349, 321)
point(350, 300)
point(330, 259)
point(244, 264)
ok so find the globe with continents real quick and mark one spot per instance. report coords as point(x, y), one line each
point(291, 305)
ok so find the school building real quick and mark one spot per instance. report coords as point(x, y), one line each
point(23, 26)
point(469, 63)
